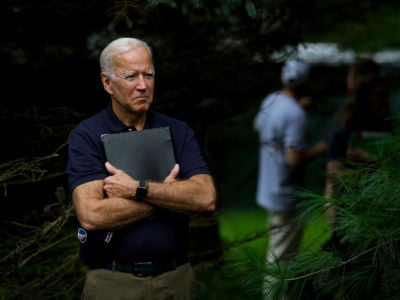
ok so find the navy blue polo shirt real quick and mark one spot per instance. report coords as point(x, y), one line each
point(160, 236)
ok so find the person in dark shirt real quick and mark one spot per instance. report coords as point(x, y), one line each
point(133, 234)
point(366, 116)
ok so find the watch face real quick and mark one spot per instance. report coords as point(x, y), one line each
point(141, 191)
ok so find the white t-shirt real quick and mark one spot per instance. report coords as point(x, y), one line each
point(282, 124)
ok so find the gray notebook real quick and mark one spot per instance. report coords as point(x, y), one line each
point(144, 155)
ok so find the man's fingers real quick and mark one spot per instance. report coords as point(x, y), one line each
point(175, 171)
point(173, 174)
point(110, 168)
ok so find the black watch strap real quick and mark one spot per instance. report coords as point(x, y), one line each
point(141, 191)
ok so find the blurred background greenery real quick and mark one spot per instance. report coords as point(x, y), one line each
point(215, 62)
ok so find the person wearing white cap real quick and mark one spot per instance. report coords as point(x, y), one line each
point(281, 123)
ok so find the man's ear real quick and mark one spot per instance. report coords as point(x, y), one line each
point(105, 79)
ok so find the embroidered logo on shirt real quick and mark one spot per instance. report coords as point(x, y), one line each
point(82, 235)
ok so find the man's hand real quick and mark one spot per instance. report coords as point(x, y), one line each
point(119, 184)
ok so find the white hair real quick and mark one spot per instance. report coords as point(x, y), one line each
point(118, 46)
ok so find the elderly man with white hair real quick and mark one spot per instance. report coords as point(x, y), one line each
point(133, 233)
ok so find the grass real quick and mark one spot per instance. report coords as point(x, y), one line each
point(245, 231)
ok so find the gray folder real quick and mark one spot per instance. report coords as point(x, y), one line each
point(145, 155)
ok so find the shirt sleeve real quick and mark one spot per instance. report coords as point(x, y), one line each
point(296, 130)
point(86, 159)
point(188, 152)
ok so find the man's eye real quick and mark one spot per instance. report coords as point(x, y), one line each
point(135, 76)
point(131, 77)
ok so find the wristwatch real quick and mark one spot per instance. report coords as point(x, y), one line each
point(141, 191)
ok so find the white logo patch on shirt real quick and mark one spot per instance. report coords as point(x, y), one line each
point(82, 235)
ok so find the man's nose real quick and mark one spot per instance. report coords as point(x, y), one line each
point(141, 82)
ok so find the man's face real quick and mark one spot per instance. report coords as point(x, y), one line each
point(132, 87)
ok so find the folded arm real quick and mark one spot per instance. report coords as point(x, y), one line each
point(119, 208)
point(95, 212)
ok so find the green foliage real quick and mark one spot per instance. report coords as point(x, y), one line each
point(40, 260)
point(190, 6)
point(362, 258)
point(358, 25)
point(251, 9)
point(241, 271)
point(366, 248)
point(210, 57)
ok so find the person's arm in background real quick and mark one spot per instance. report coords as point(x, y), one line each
point(338, 143)
point(333, 169)
point(319, 148)
point(296, 158)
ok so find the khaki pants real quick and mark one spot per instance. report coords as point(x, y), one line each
point(284, 237)
point(102, 284)
point(284, 242)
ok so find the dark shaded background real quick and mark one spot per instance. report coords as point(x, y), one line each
point(213, 68)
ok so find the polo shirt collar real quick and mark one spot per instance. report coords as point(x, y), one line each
point(117, 126)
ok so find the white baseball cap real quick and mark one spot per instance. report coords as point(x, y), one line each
point(295, 73)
